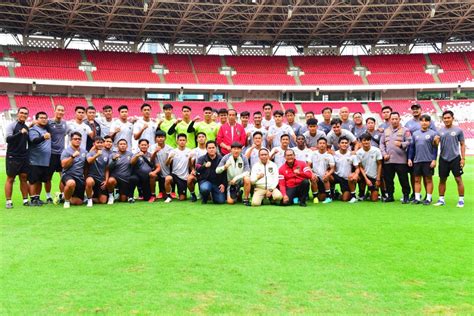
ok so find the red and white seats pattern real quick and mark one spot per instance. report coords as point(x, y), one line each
point(35, 104)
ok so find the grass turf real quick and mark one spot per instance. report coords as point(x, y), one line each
point(189, 258)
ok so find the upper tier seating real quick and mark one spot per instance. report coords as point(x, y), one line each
point(317, 107)
point(258, 64)
point(255, 105)
point(403, 106)
point(262, 79)
point(394, 63)
point(125, 76)
point(330, 79)
point(121, 61)
point(325, 64)
point(35, 104)
point(4, 103)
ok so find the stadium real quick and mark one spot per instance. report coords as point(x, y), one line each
point(186, 257)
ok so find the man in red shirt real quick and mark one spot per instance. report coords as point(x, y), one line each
point(231, 132)
point(294, 180)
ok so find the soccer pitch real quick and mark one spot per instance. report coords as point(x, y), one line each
point(190, 258)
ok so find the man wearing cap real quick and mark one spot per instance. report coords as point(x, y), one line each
point(264, 177)
point(237, 169)
point(394, 146)
point(414, 124)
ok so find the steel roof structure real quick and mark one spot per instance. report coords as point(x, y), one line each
point(257, 22)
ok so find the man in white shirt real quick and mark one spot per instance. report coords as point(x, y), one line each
point(278, 153)
point(347, 170)
point(181, 158)
point(267, 116)
point(105, 121)
point(78, 125)
point(302, 152)
point(145, 127)
point(252, 152)
point(322, 163)
point(264, 177)
point(370, 164)
point(279, 128)
point(122, 128)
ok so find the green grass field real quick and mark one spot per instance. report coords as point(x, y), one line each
point(187, 258)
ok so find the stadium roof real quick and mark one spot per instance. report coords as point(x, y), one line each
point(259, 22)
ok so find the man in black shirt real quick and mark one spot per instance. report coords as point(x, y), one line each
point(209, 181)
point(17, 156)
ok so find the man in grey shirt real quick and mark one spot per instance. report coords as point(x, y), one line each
point(96, 181)
point(414, 124)
point(394, 145)
point(73, 160)
point(337, 132)
point(313, 134)
point(144, 170)
point(160, 151)
point(451, 158)
point(57, 128)
point(39, 156)
point(346, 123)
point(120, 173)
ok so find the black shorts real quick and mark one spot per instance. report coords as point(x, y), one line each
point(320, 183)
point(453, 166)
point(38, 174)
point(80, 186)
point(16, 166)
point(123, 187)
point(181, 184)
point(54, 165)
point(373, 187)
point(423, 169)
point(344, 183)
point(97, 190)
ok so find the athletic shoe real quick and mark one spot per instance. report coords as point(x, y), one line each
point(67, 204)
point(296, 200)
point(405, 200)
point(440, 203)
point(412, 197)
point(303, 204)
point(353, 200)
point(173, 195)
point(9, 205)
point(426, 202)
point(40, 202)
point(460, 204)
point(233, 192)
point(34, 203)
point(152, 199)
point(160, 195)
point(131, 200)
point(110, 201)
point(316, 200)
point(89, 203)
point(416, 202)
point(49, 201)
point(246, 203)
point(26, 203)
point(327, 200)
point(168, 200)
point(390, 199)
point(193, 197)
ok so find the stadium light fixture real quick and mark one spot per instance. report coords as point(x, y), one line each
point(433, 10)
point(290, 11)
point(317, 92)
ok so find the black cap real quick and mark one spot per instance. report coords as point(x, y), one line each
point(415, 106)
point(236, 145)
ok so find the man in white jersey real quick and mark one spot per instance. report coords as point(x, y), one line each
point(78, 125)
point(322, 164)
point(451, 158)
point(122, 128)
point(145, 127)
point(196, 153)
point(337, 132)
point(258, 127)
point(160, 151)
point(347, 170)
point(267, 116)
point(370, 164)
point(279, 128)
point(302, 152)
point(278, 153)
point(106, 120)
point(181, 158)
point(252, 152)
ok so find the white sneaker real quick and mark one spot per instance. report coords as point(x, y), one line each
point(460, 204)
point(439, 203)
point(110, 201)
point(168, 200)
point(89, 203)
point(67, 204)
point(353, 200)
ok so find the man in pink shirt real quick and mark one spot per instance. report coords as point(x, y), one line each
point(231, 132)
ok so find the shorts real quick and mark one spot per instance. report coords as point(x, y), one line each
point(97, 190)
point(54, 165)
point(16, 166)
point(80, 186)
point(344, 183)
point(181, 184)
point(453, 166)
point(233, 190)
point(123, 187)
point(373, 187)
point(320, 184)
point(423, 169)
point(38, 174)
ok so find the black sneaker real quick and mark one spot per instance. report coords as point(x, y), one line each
point(246, 203)
point(303, 204)
point(26, 203)
point(412, 198)
point(416, 202)
point(233, 192)
point(193, 197)
point(131, 200)
point(405, 200)
point(389, 199)
point(49, 201)
point(426, 202)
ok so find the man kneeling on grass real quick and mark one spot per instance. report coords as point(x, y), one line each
point(210, 183)
point(120, 173)
point(237, 169)
point(145, 171)
point(294, 180)
point(265, 176)
point(73, 161)
point(96, 181)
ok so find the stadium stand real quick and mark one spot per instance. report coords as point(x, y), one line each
point(403, 106)
point(375, 107)
point(263, 79)
point(450, 104)
point(325, 64)
point(133, 104)
point(124, 76)
point(211, 78)
point(69, 104)
point(175, 63)
point(4, 72)
point(206, 64)
point(56, 73)
point(254, 105)
point(317, 107)
point(330, 79)
point(35, 104)
point(180, 77)
point(258, 64)
point(196, 106)
point(394, 63)
point(4, 103)
point(121, 61)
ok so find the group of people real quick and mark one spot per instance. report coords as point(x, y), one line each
point(273, 158)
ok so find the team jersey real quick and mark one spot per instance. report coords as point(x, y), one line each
point(104, 126)
point(368, 160)
point(333, 139)
point(182, 128)
point(95, 126)
point(165, 127)
point(81, 128)
point(238, 168)
point(261, 129)
point(57, 130)
point(422, 148)
point(39, 147)
point(449, 142)
point(278, 154)
point(161, 158)
point(98, 167)
point(210, 129)
point(76, 169)
point(181, 162)
point(344, 163)
point(321, 162)
point(312, 140)
point(325, 127)
point(302, 154)
point(376, 136)
point(358, 131)
point(198, 152)
point(126, 132)
point(121, 168)
point(148, 133)
point(253, 159)
point(277, 131)
point(415, 125)
point(144, 165)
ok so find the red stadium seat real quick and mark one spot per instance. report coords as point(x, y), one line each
point(35, 104)
point(4, 103)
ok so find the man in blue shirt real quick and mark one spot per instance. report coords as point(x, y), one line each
point(73, 160)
